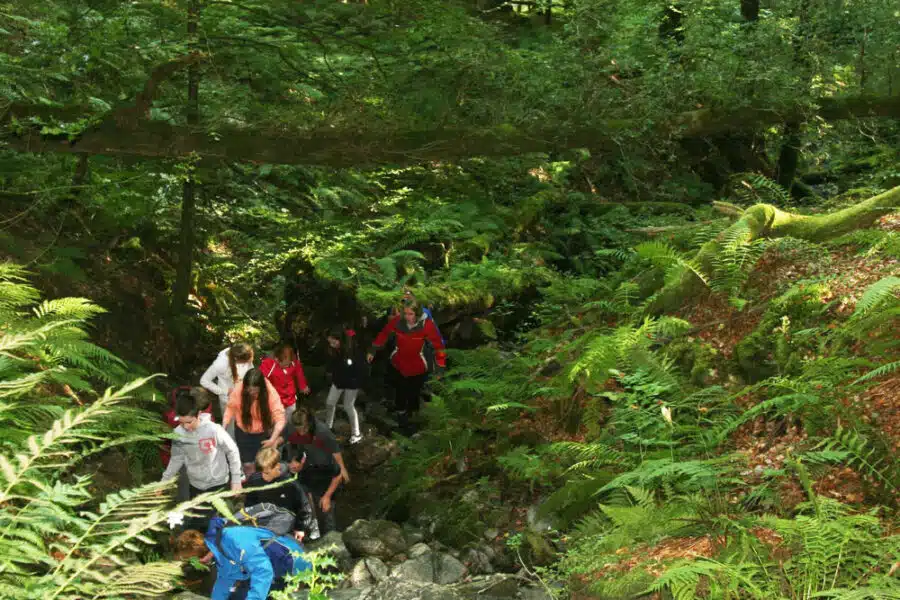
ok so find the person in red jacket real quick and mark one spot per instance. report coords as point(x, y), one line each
point(285, 373)
point(412, 329)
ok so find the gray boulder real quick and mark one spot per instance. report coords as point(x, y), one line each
point(373, 451)
point(378, 538)
point(398, 589)
point(534, 593)
point(419, 569)
point(490, 587)
point(448, 569)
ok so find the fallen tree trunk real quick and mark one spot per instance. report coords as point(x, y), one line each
point(125, 133)
point(767, 221)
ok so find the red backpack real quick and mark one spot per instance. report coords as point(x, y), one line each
point(171, 419)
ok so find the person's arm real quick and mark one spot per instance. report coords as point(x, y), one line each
point(277, 410)
point(211, 375)
point(325, 500)
point(431, 332)
point(232, 455)
point(339, 459)
point(256, 562)
point(176, 461)
point(382, 337)
point(302, 385)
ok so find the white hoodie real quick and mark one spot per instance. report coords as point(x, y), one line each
point(209, 454)
point(218, 379)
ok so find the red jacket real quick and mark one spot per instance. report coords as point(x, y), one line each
point(286, 381)
point(408, 357)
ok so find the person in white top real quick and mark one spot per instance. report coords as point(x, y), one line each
point(230, 365)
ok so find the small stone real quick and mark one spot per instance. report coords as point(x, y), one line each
point(418, 550)
point(359, 576)
point(377, 568)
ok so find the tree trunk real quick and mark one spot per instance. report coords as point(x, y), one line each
point(750, 10)
point(182, 287)
point(789, 157)
point(767, 221)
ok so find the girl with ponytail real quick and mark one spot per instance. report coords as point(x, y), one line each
point(229, 367)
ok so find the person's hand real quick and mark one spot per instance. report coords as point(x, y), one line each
point(270, 443)
point(370, 357)
point(295, 466)
point(306, 390)
point(207, 559)
point(236, 486)
point(325, 503)
point(299, 535)
point(345, 476)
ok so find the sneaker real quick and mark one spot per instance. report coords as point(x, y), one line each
point(355, 439)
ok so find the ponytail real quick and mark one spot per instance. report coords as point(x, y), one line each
point(240, 352)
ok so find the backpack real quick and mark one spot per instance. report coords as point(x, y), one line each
point(276, 519)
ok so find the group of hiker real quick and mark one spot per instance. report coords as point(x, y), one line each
point(252, 429)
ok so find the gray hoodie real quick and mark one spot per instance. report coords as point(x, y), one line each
point(208, 453)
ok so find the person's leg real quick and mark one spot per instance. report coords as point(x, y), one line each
point(288, 421)
point(247, 448)
point(413, 400)
point(184, 486)
point(306, 519)
point(331, 401)
point(350, 409)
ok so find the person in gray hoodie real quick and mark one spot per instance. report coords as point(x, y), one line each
point(205, 449)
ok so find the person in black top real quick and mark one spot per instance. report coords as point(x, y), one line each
point(321, 468)
point(290, 496)
point(349, 369)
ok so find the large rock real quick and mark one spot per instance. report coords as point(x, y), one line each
point(398, 589)
point(333, 543)
point(448, 569)
point(436, 567)
point(534, 593)
point(373, 451)
point(378, 538)
point(420, 569)
point(490, 587)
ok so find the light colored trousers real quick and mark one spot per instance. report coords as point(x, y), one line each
point(334, 394)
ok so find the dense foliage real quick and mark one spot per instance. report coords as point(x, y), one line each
point(659, 237)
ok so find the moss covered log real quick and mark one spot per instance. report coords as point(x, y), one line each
point(768, 221)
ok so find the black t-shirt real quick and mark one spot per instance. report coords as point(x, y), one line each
point(320, 467)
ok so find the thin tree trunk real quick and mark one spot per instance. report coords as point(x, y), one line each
point(789, 157)
point(182, 286)
point(750, 10)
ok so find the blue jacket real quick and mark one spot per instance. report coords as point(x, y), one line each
point(242, 557)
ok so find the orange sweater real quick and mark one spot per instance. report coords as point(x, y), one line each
point(233, 410)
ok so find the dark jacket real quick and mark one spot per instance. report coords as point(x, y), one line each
point(290, 496)
point(348, 372)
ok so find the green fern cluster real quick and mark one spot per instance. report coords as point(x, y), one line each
point(56, 540)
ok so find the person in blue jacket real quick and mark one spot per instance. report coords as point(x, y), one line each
point(250, 561)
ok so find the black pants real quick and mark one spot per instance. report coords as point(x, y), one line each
point(409, 392)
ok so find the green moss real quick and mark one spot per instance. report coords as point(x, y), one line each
point(696, 359)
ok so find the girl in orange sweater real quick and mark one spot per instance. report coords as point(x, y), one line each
point(256, 408)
